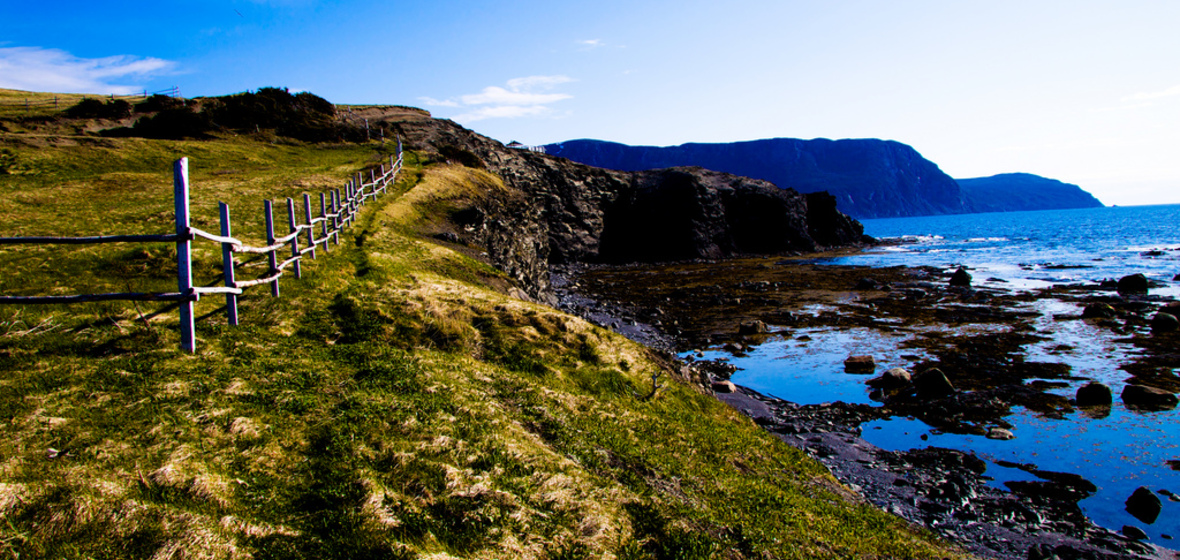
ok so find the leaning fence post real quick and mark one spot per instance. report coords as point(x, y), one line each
point(272, 257)
point(227, 266)
point(336, 221)
point(184, 256)
point(294, 238)
point(310, 229)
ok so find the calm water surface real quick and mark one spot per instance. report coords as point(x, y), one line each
point(1016, 250)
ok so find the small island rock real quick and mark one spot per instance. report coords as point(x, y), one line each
point(1095, 394)
point(1144, 505)
point(961, 278)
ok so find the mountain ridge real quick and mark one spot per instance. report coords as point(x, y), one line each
point(869, 178)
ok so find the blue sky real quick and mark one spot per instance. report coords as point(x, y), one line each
point(1081, 91)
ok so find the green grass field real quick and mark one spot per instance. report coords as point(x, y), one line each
point(394, 403)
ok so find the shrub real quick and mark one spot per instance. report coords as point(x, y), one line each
point(90, 108)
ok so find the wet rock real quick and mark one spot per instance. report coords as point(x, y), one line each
point(1000, 434)
point(860, 364)
point(1144, 505)
point(1142, 396)
point(961, 278)
point(1164, 323)
point(865, 284)
point(1098, 311)
point(1135, 284)
point(1132, 532)
point(933, 384)
point(895, 378)
point(733, 348)
point(725, 386)
point(753, 327)
point(1094, 394)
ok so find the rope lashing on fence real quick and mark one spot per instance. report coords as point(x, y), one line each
point(336, 212)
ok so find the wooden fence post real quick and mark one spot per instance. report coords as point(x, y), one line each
point(184, 256)
point(268, 209)
point(227, 265)
point(324, 216)
point(335, 216)
point(294, 238)
point(310, 230)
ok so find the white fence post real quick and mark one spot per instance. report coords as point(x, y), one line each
point(184, 256)
point(310, 229)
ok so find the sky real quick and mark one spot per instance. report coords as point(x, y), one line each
point(1080, 91)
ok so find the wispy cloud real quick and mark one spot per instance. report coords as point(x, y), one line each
point(589, 44)
point(40, 69)
point(1150, 95)
point(519, 97)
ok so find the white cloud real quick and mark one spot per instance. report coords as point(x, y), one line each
point(1149, 95)
point(40, 69)
point(529, 96)
point(591, 43)
point(432, 102)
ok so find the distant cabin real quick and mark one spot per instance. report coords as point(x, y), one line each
point(518, 146)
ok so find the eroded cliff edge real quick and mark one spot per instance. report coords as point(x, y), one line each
point(555, 211)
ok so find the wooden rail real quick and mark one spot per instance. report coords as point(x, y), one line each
point(335, 213)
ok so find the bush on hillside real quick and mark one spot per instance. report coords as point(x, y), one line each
point(304, 116)
point(157, 103)
point(90, 108)
point(174, 124)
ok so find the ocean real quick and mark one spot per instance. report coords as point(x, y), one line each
point(1015, 251)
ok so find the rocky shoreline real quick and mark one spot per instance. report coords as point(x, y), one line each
point(678, 307)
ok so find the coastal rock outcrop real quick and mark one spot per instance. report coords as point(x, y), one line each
point(554, 211)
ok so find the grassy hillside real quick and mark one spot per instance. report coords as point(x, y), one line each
point(394, 403)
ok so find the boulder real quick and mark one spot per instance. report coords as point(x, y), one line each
point(1142, 396)
point(1094, 394)
point(860, 364)
point(867, 284)
point(933, 384)
point(1135, 284)
point(1134, 533)
point(1098, 311)
point(1000, 434)
point(1164, 323)
point(1144, 505)
point(753, 326)
point(895, 378)
point(961, 278)
point(733, 348)
point(724, 387)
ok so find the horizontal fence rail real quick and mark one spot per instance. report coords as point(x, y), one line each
point(336, 212)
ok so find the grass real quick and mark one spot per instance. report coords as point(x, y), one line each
point(394, 403)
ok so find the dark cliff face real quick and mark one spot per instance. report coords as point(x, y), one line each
point(557, 211)
point(868, 178)
point(1010, 192)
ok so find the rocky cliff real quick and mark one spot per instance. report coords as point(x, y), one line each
point(557, 211)
point(1022, 191)
point(868, 178)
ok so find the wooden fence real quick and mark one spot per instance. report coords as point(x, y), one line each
point(337, 211)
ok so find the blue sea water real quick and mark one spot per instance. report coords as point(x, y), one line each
point(1015, 251)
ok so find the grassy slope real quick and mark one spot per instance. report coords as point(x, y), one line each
point(389, 405)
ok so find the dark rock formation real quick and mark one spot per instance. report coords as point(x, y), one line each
point(867, 178)
point(1098, 310)
point(554, 211)
point(961, 278)
point(933, 384)
point(1023, 191)
point(1134, 284)
point(1144, 505)
point(1164, 323)
point(1151, 398)
point(1094, 394)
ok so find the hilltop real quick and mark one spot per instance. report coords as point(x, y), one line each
point(410, 397)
